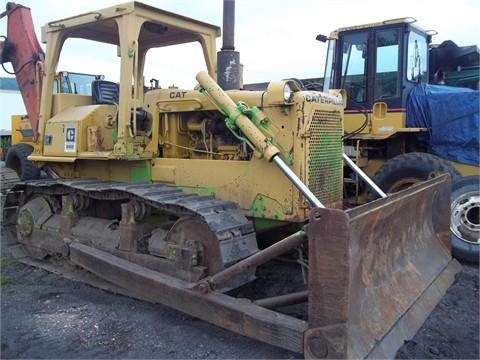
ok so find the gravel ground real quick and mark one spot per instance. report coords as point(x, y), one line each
point(45, 316)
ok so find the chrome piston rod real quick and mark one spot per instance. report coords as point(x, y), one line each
point(364, 176)
point(297, 182)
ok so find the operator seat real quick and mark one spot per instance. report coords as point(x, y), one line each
point(106, 93)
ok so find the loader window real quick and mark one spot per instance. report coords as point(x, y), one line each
point(79, 83)
point(55, 86)
point(73, 83)
point(417, 58)
point(64, 84)
point(329, 69)
point(354, 58)
point(386, 70)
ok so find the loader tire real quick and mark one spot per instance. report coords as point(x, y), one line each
point(402, 171)
point(16, 159)
point(465, 218)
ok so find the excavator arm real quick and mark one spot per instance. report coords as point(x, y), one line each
point(22, 49)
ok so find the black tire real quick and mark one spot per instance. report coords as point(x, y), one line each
point(465, 218)
point(404, 170)
point(16, 159)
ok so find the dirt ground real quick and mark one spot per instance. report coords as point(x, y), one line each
point(45, 316)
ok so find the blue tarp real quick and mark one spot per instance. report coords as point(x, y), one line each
point(452, 118)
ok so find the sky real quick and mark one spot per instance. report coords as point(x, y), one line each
point(275, 38)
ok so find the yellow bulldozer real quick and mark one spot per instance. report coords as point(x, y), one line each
point(166, 192)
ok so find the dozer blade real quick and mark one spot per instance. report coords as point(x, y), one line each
point(377, 271)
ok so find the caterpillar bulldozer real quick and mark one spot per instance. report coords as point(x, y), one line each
point(166, 193)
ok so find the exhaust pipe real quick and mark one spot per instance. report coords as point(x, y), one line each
point(228, 60)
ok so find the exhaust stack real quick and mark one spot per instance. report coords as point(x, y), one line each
point(228, 60)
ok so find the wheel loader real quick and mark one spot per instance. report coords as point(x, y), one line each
point(401, 126)
point(165, 193)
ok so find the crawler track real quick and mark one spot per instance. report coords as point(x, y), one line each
point(224, 218)
point(8, 204)
point(234, 233)
point(8, 178)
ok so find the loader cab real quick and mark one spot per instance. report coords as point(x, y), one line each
point(67, 82)
point(378, 62)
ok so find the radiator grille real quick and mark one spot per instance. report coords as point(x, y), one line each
point(324, 156)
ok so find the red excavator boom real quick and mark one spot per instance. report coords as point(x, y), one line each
point(22, 49)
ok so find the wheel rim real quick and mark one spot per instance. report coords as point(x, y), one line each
point(403, 184)
point(465, 217)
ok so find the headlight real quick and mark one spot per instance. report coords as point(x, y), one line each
point(287, 93)
point(281, 92)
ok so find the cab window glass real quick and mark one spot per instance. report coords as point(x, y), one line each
point(327, 81)
point(417, 58)
point(55, 86)
point(64, 85)
point(81, 83)
point(386, 70)
point(354, 57)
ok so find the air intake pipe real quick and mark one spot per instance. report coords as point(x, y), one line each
point(228, 60)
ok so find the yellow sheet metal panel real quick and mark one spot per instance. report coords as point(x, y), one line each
point(257, 186)
point(67, 133)
point(64, 101)
point(20, 129)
